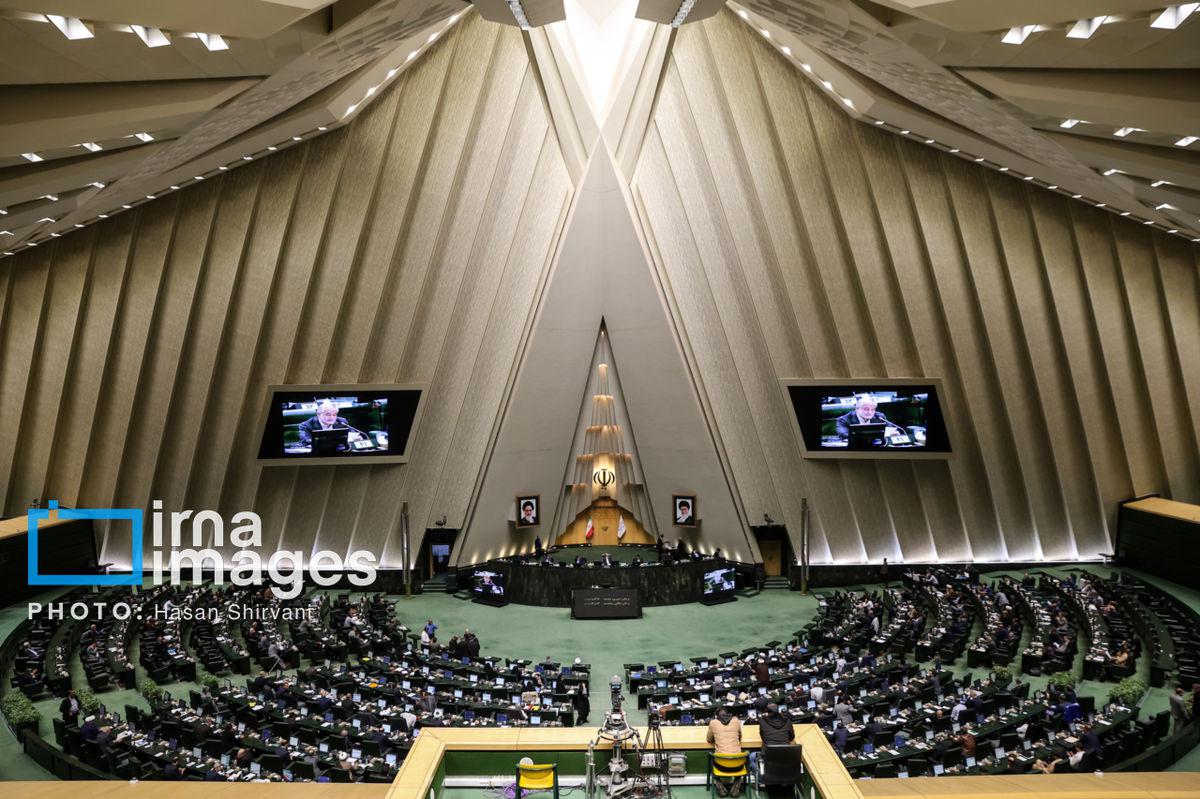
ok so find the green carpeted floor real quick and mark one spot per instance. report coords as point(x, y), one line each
point(679, 631)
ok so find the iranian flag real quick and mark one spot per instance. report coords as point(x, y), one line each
point(620, 527)
point(591, 529)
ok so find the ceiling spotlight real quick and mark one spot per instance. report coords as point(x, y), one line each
point(954, 149)
point(1084, 28)
point(97, 184)
point(1123, 132)
point(126, 207)
point(71, 27)
point(879, 122)
point(296, 138)
point(91, 146)
point(1003, 169)
point(806, 67)
point(349, 110)
point(1101, 205)
point(849, 103)
point(392, 72)
point(51, 197)
point(1076, 196)
point(45, 219)
point(1148, 222)
point(979, 160)
point(247, 158)
point(1124, 213)
point(1158, 183)
point(151, 37)
point(34, 157)
point(1173, 16)
point(1164, 207)
point(1029, 177)
point(102, 216)
point(213, 41)
point(1069, 123)
point(1184, 142)
point(1055, 186)
point(174, 188)
point(411, 56)
point(1111, 171)
point(786, 50)
point(904, 133)
point(223, 168)
point(149, 196)
point(742, 13)
point(272, 148)
point(322, 127)
point(3, 211)
point(5, 232)
point(1018, 35)
point(143, 137)
point(766, 33)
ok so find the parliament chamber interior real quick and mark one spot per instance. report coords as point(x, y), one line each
point(433, 399)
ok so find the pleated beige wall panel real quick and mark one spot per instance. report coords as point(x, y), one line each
point(797, 242)
point(405, 247)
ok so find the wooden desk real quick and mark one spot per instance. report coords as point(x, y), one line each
point(417, 774)
point(120, 789)
point(1167, 507)
point(19, 525)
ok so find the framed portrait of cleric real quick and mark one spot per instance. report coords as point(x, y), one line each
point(877, 418)
point(683, 510)
point(529, 510)
point(326, 425)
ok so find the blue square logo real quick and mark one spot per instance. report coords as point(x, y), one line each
point(132, 515)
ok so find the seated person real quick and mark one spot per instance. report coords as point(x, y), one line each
point(326, 419)
point(725, 735)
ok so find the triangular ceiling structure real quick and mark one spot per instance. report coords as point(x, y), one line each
point(602, 274)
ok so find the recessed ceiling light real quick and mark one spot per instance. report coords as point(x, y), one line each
point(272, 148)
point(879, 122)
point(1029, 177)
point(149, 196)
point(174, 188)
point(1124, 213)
point(1017, 35)
point(1158, 183)
point(392, 72)
point(904, 133)
point(126, 207)
point(1123, 132)
point(3, 211)
point(806, 67)
point(78, 224)
point(1003, 169)
point(1186, 140)
point(979, 160)
point(322, 127)
point(97, 184)
point(411, 56)
point(296, 138)
point(198, 177)
point(143, 137)
point(1164, 207)
point(1069, 123)
point(350, 110)
point(1111, 171)
point(1148, 222)
point(954, 149)
point(1052, 187)
point(71, 27)
point(848, 102)
point(51, 197)
point(742, 13)
point(929, 141)
point(1101, 205)
point(34, 157)
point(102, 216)
point(247, 158)
point(223, 168)
point(45, 219)
point(786, 50)
point(91, 146)
point(1084, 28)
point(1173, 16)
point(151, 37)
point(1076, 196)
point(213, 41)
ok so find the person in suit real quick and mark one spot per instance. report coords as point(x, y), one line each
point(606, 560)
point(326, 419)
point(170, 771)
point(470, 645)
point(863, 413)
point(214, 773)
point(427, 703)
point(1179, 709)
point(538, 549)
point(89, 729)
point(1090, 741)
point(69, 707)
point(104, 739)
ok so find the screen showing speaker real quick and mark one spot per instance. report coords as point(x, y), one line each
point(719, 581)
point(339, 424)
point(488, 584)
point(870, 419)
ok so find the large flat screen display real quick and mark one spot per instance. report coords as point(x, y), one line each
point(339, 424)
point(720, 581)
point(870, 419)
point(488, 584)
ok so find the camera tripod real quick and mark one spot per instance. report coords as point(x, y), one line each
point(643, 754)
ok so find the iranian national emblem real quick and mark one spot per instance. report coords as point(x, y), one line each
point(604, 478)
